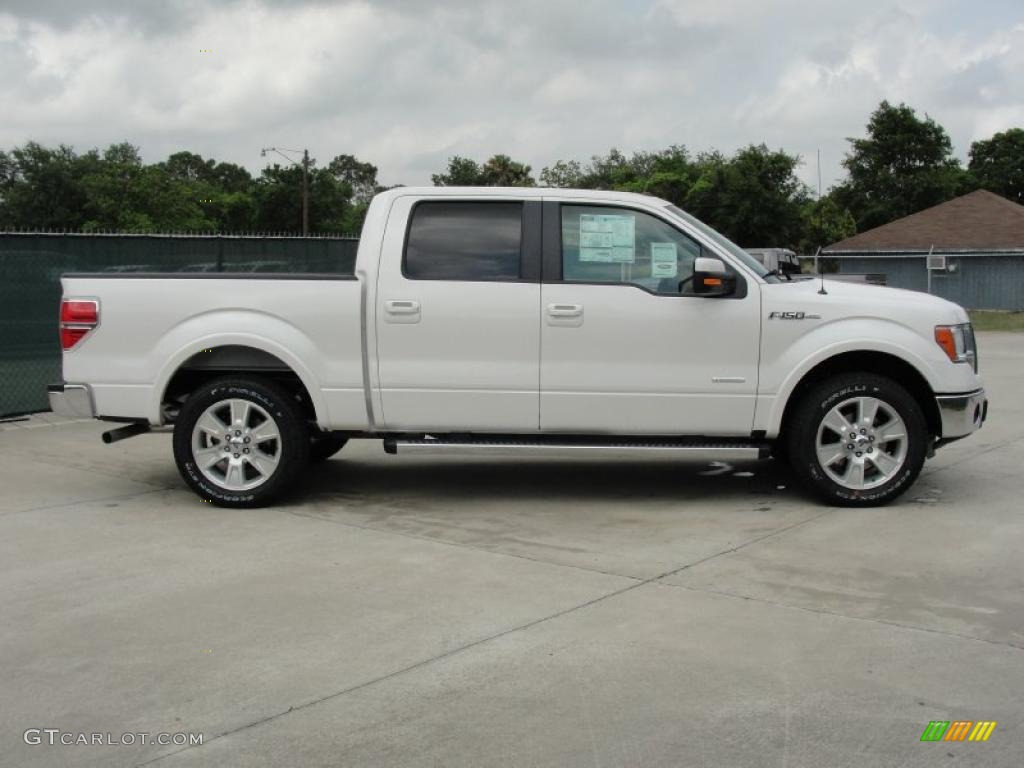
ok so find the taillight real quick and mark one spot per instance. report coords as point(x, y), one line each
point(77, 318)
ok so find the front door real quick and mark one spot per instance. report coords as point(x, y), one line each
point(457, 322)
point(623, 349)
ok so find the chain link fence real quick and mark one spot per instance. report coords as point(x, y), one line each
point(31, 265)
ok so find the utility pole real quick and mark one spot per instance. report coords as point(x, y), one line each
point(819, 173)
point(305, 179)
point(305, 193)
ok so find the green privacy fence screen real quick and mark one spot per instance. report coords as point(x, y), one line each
point(31, 265)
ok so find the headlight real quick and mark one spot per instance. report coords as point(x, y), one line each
point(957, 341)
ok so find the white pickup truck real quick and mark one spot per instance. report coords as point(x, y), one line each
point(502, 321)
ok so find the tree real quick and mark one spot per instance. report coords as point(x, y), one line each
point(188, 166)
point(753, 198)
point(667, 173)
point(41, 188)
point(997, 164)
point(279, 199)
point(563, 174)
point(904, 165)
point(499, 171)
point(462, 172)
point(825, 222)
point(503, 171)
point(360, 177)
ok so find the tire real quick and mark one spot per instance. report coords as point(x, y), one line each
point(324, 445)
point(875, 461)
point(252, 472)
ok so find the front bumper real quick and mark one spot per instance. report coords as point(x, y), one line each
point(962, 414)
point(71, 400)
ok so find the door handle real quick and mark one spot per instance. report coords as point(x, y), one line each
point(401, 307)
point(565, 310)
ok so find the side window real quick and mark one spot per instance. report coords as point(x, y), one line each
point(619, 245)
point(462, 240)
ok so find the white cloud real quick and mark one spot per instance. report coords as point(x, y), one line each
point(405, 84)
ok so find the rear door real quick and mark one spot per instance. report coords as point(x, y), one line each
point(458, 322)
point(623, 349)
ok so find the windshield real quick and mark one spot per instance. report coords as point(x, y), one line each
point(729, 245)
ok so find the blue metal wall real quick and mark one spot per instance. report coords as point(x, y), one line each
point(979, 282)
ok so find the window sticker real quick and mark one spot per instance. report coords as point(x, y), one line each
point(663, 260)
point(607, 238)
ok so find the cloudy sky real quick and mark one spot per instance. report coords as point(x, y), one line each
point(407, 83)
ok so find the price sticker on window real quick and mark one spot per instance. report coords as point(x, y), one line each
point(607, 238)
point(663, 260)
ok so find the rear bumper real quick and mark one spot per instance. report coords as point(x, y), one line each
point(962, 414)
point(72, 400)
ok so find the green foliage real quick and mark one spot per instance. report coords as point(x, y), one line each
point(279, 200)
point(904, 165)
point(997, 164)
point(499, 171)
point(42, 188)
point(462, 172)
point(754, 197)
point(825, 222)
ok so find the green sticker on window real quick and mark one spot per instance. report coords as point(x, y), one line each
point(663, 260)
point(607, 238)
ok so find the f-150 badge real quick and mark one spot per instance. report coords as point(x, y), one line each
point(792, 316)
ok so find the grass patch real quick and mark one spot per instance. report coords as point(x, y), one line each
point(995, 320)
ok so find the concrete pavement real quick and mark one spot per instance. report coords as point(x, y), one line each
point(413, 611)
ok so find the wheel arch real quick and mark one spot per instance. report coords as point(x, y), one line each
point(885, 364)
point(204, 361)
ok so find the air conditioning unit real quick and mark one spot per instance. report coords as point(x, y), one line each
point(937, 263)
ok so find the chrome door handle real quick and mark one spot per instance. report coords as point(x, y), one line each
point(401, 307)
point(565, 310)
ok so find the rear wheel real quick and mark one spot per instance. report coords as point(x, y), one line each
point(240, 442)
point(857, 440)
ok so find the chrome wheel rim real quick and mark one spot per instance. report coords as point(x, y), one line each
point(861, 443)
point(236, 444)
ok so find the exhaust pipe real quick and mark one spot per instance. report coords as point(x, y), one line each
point(129, 430)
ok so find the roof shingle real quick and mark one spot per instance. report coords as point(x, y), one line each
point(980, 219)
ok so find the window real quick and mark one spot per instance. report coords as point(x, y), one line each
point(729, 245)
point(460, 240)
point(619, 245)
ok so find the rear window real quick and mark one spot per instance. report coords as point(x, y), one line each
point(478, 241)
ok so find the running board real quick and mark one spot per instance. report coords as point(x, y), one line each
point(691, 450)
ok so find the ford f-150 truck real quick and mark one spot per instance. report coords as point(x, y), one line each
point(503, 321)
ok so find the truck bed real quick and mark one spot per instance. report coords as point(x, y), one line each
point(152, 324)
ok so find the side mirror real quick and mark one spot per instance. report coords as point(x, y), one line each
point(711, 278)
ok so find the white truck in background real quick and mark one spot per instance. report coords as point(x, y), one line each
point(778, 260)
point(524, 321)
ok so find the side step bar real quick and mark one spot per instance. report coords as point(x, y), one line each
point(691, 450)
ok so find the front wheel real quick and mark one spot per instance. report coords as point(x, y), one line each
point(240, 442)
point(857, 440)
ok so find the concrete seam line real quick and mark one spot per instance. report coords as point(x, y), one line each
point(836, 614)
point(475, 643)
point(745, 544)
point(459, 545)
point(410, 668)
